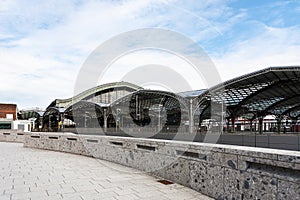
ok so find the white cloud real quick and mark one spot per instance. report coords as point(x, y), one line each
point(44, 44)
point(52, 39)
point(274, 47)
point(124, 66)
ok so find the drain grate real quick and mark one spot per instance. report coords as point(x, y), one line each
point(165, 182)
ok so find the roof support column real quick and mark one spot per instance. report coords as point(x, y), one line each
point(260, 124)
point(49, 124)
point(200, 122)
point(251, 125)
point(233, 123)
point(62, 119)
point(294, 122)
point(105, 120)
point(227, 124)
point(278, 124)
point(191, 117)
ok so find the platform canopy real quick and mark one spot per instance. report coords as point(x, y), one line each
point(27, 114)
point(145, 105)
point(113, 90)
point(271, 91)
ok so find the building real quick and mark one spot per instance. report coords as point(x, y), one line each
point(8, 113)
point(244, 103)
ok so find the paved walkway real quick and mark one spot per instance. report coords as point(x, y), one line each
point(42, 175)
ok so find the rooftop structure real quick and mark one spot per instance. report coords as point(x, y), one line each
point(271, 91)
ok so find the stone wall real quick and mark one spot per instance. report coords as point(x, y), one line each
point(219, 171)
point(12, 136)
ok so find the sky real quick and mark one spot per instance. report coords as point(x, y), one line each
point(43, 44)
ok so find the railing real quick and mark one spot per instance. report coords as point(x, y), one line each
point(286, 141)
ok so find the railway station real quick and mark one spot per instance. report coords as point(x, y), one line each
point(264, 101)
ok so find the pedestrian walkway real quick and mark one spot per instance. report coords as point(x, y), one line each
point(32, 174)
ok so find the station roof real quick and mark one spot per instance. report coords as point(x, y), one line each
point(85, 105)
point(192, 94)
point(148, 98)
point(93, 92)
point(274, 90)
point(27, 114)
point(270, 91)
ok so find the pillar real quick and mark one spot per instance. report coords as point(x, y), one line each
point(105, 120)
point(49, 124)
point(260, 126)
point(233, 124)
point(227, 123)
point(200, 122)
point(278, 125)
point(251, 125)
point(294, 122)
point(191, 117)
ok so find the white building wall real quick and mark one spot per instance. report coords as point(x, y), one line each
point(23, 125)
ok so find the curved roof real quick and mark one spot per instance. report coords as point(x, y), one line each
point(27, 114)
point(150, 97)
point(84, 108)
point(51, 110)
point(86, 105)
point(140, 105)
point(93, 91)
point(274, 90)
point(192, 94)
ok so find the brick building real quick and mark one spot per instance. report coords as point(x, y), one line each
point(8, 111)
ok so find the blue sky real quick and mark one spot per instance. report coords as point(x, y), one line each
point(43, 44)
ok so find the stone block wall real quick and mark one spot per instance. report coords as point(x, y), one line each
point(219, 171)
point(12, 136)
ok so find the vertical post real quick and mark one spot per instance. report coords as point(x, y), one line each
point(294, 122)
point(260, 126)
point(85, 113)
point(191, 117)
point(227, 123)
point(222, 115)
point(278, 125)
point(137, 113)
point(255, 137)
point(159, 110)
point(105, 120)
point(49, 123)
point(118, 120)
point(62, 121)
point(233, 124)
